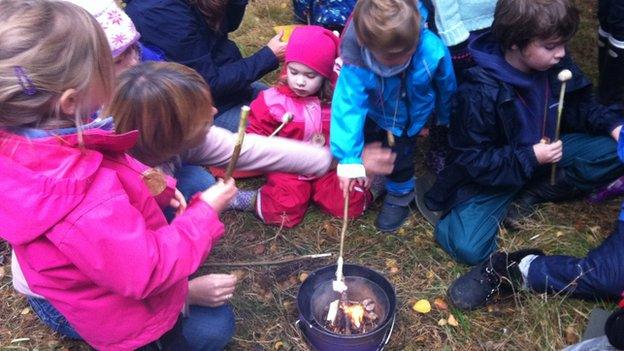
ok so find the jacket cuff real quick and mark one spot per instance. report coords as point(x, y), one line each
point(351, 170)
point(528, 159)
point(269, 57)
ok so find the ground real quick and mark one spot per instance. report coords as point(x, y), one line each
point(414, 263)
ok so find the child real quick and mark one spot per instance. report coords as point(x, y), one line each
point(506, 117)
point(396, 73)
point(598, 275)
point(611, 51)
point(86, 230)
point(305, 91)
point(121, 34)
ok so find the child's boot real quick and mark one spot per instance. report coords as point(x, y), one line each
point(498, 273)
point(394, 212)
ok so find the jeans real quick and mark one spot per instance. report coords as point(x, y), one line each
point(205, 328)
point(229, 118)
point(191, 179)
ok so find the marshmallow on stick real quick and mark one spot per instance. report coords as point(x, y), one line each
point(564, 76)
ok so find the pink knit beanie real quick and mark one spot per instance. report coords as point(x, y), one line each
point(119, 29)
point(315, 47)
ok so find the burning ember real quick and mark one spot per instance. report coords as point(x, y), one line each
point(351, 317)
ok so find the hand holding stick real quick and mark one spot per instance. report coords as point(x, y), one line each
point(286, 118)
point(564, 76)
point(242, 124)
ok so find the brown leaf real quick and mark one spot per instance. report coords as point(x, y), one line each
point(329, 228)
point(394, 270)
point(452, 321)
point(303, 276)
point(239, 274)
point(440, 304)
point(2, 272)
point(571, 336)
point(273, 248)
point(259, 249)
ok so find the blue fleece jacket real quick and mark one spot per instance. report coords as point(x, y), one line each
point(455, 19)
point(428, 81)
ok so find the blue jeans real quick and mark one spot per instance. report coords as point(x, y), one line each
point(191, 179)
point(598, 275)
point(229, 118)
point(205, 328)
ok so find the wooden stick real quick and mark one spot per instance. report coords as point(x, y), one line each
point(390, 137)
point(338, 284)
point(242, 124)
point(286, 118)
point(564, 76)
point(266, 263)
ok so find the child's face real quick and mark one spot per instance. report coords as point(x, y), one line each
point(201, 131)
point(127, 59)
point(303, 80)
point(539, 55)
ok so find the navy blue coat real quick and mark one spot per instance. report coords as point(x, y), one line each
point(181, 32)
point(486, 153)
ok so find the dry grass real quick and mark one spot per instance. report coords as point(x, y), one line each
point(265, 300)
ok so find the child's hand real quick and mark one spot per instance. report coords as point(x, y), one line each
point(548, 153)
point(178, 202)
point(211, 290)
point(277, 46)
point(219, 195)
point(378, 159)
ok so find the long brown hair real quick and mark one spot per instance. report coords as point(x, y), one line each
point(213, 11)
point(168, 103)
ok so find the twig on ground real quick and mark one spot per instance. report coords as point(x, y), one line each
point(265, 263)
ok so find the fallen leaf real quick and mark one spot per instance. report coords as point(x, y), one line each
point(442, 322)
point(293, 279)
point(430, 275)
point(452, 321)
point(571, 336)
point(303, 276)
point(278, 345)
point(394, 270)
point(422, 306)
point(559, 234)
point(2, 272)
point(273, 248)
point(391, 262)
point(259, 249)
point(239, 274)
point(440, 304)
point(401, 232)
point(25, 311)
point(329, 228)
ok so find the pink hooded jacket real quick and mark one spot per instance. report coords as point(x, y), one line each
point(91, 239)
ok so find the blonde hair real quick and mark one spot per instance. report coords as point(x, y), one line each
point(387, 25)
point(168, 103)
point(49, 47)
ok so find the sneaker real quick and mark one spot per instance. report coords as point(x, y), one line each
point(499, 273)
point(394, 212)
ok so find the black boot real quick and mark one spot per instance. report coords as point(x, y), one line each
point(539, 191)
point(499, 273)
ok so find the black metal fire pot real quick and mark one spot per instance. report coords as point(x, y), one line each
point(316, 293)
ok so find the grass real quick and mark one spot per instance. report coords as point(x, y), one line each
point(265, 299)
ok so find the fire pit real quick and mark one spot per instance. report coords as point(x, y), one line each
point(366, 289)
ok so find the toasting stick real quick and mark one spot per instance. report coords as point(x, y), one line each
point(286, 118)
point(339, 284)
point(390, 137)
point(242, 124)
point(564, 76)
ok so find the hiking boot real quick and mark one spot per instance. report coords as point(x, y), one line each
point(498, 273)
point(394, 212)
point(423, 184)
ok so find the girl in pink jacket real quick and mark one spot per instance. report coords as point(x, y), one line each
point(83, 217)
point(299, 108)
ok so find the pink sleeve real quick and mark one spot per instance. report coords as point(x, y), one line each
point(261, 121)
point(122, 254)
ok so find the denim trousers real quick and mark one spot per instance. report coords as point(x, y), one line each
point(205, 328)
point(229, 118)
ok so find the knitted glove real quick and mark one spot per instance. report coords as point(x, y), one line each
point(614, 328)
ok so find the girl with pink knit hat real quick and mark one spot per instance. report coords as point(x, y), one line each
point(299, 108)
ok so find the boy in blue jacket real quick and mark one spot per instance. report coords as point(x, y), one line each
point(395, 74)
point(505, 121)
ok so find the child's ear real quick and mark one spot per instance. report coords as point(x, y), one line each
point(69, 102)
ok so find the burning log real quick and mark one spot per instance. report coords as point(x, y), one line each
point(351, 317)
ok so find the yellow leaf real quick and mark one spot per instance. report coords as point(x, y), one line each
point(25, 311)
point(288, 29)
point(278, 345)
point(422, 306)
point(303, 276)
point(2, 272)
point(452, 321)
point(442, 322)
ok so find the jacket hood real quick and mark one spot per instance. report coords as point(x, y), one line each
point(487, 54)
point(45, 179)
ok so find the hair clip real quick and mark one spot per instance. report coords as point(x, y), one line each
point(24, 80)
